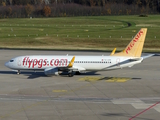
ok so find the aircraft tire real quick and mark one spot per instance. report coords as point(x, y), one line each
point(70, 75)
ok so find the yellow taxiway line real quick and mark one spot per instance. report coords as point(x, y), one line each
point(107, 79)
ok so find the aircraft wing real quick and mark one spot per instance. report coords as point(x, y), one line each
point(74, 68)
point(77, 68)
point(70, 67)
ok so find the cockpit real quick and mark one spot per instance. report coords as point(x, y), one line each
point(11, 61)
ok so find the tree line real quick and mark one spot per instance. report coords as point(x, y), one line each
point(57, 8)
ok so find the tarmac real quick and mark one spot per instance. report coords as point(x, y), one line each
point(124, 94)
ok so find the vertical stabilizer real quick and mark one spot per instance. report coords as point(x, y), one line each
point(134, 48)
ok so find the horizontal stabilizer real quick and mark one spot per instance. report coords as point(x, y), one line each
point(147, 56)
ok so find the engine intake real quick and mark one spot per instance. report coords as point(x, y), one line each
point(51, 71)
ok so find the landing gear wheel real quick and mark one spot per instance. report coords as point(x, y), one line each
point(70, 75)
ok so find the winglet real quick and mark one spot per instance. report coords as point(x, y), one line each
point(72, 62)
point(113, 52)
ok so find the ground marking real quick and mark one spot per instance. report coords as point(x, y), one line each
point(107, 79)
point(145, 110)
point(59, 91)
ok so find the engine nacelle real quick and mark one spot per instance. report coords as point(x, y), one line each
point(51, 71)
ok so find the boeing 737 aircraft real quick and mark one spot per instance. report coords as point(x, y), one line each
point(55, 65)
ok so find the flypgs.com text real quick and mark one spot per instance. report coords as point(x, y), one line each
point(31, 63)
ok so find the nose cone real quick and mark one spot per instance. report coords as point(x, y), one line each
point(7, 64)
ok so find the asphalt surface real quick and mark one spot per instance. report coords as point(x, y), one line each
point(124, 94)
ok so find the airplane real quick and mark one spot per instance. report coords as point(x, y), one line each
point(56, 65)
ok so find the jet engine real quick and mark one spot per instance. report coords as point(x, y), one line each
point(51, 71)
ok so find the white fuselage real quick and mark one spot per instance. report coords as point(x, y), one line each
point(81, 63)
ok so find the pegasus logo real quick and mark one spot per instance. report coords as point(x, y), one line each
point(131, 45)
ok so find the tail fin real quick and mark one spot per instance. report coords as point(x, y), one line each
point(134, 48)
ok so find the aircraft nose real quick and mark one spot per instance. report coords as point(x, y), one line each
point(6, 64)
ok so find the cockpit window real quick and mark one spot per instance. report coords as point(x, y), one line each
point(11, 60)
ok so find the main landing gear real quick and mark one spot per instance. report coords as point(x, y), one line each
point(70, 74)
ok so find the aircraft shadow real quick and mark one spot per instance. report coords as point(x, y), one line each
point(33, 75)
point(82, 74)
point(7, 72)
